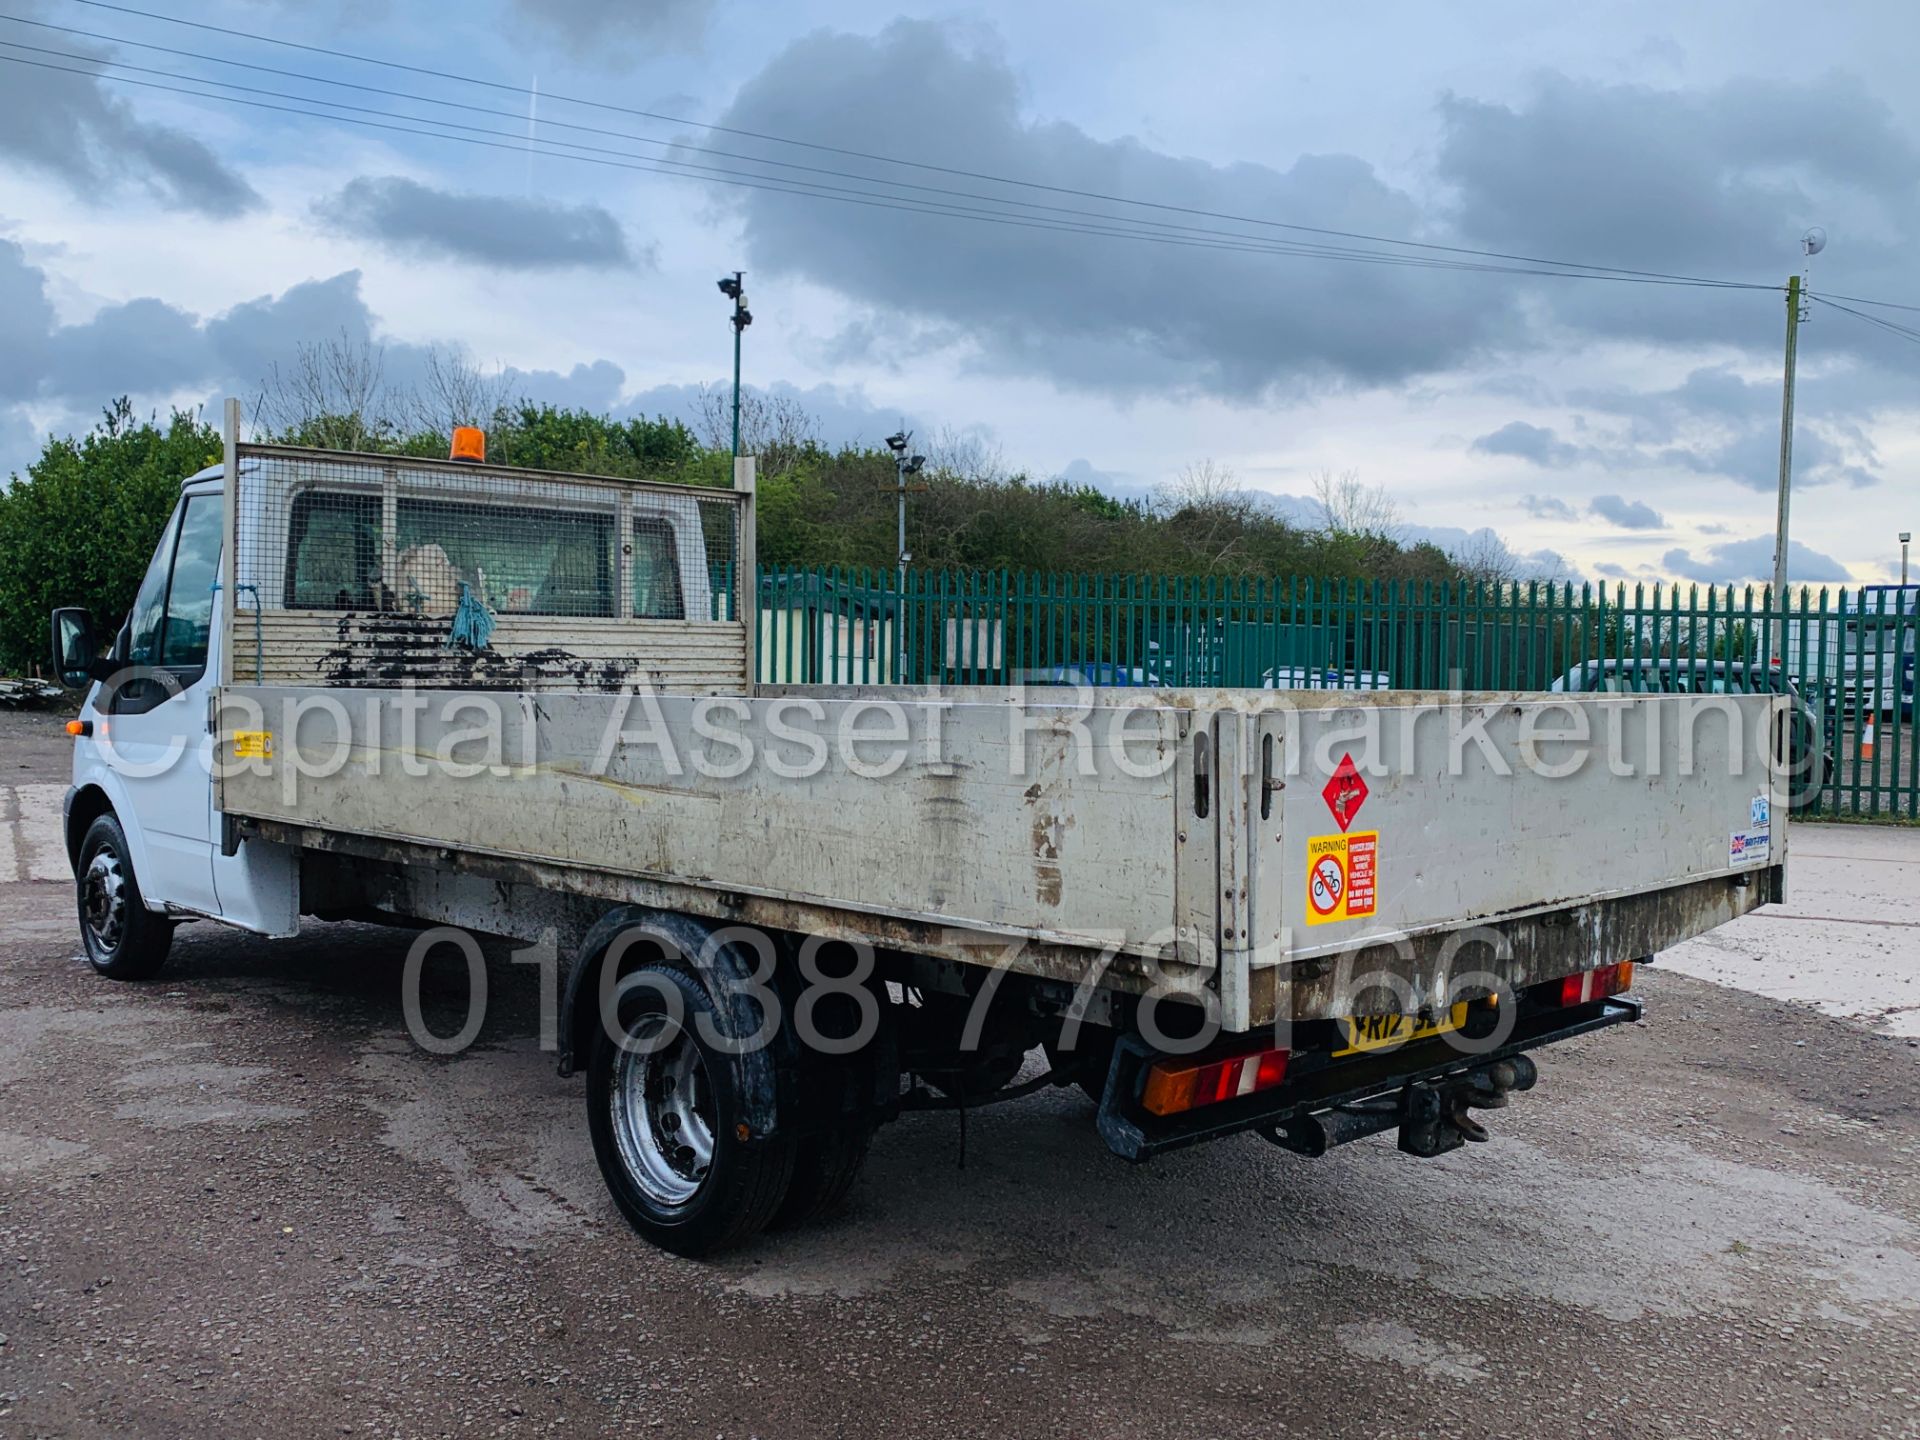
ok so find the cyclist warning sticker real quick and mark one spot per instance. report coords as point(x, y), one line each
point(1341, 874)
point(253, 744)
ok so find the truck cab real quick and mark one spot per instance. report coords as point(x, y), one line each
point(141, 828)
point(361, 572)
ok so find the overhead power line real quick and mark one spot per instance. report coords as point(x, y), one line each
point(1118, 227)
point(1103, 217)
point(1284, 247)
point(1004, 210)
point(1885, 304)
point(1905, 332)
point(921, 165)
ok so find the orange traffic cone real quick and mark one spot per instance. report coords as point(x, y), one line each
point(1866, 740)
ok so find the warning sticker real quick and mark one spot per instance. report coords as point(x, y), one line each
point(253, 744)
point(1753, 845)
point(1342, 872)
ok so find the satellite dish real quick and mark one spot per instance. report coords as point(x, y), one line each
point(1814, 241)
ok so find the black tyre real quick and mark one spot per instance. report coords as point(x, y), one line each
point(824, 1170)
point(124, 940)
point(664, 1112)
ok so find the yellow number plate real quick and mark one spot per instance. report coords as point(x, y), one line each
point(1383, 1032)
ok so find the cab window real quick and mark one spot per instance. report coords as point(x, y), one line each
point(196, 568)
point(150, 605)
point(172, 619)
point(516, 559)
point(333, 550)
point(656, 571)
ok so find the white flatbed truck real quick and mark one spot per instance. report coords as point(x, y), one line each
point(440, 694)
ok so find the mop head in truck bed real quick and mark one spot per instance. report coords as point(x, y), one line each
point(472, 623)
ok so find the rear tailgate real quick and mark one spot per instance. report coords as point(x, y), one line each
point(1412, 837)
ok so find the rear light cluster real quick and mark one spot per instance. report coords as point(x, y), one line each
point(1591, 985)
point(1177, 1085)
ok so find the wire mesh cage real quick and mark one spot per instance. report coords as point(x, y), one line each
point(379, 570)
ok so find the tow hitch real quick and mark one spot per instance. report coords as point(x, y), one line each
point(1432, 1117)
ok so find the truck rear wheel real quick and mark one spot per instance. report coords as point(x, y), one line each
point(124, 940)
point(824, 1170)
point(664, 1111)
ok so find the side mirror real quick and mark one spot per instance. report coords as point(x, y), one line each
point(76, 653)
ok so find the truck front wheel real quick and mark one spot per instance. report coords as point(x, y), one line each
point(124, 939)
point(665, 1114)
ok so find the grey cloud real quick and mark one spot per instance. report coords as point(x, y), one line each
point(141, 346)
point(610, 32)
point(1086, 310)
point(1537, 443)
point(584, 387)
point(1739, 560)
point(1713, 423)
point(503, 232)
point(155, 351)
point(1718, 181)
point(1752, 458)
point(17, 448)
point(73, 128)
point(26, 322)
point(254, 336)
point(1547, 507)
point(1627, 514)
point(1612, 571)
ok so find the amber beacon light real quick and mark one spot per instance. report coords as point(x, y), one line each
point(469, 444)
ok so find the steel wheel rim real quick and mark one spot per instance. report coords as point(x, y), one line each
point(662, 1111)
point(103, 900)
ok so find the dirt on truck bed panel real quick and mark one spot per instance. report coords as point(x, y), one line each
point(242, 1201)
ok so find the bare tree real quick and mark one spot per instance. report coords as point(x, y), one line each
point(453, 390)
point(1208, 507)
point(1353, 510)
point(1484, 558)
point(333, 395)
point(776, 428)
point(965, 455)
point(1205, 487)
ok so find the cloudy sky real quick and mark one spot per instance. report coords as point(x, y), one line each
point(177, 247)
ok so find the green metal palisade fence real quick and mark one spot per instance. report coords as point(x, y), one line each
point(1850, 653)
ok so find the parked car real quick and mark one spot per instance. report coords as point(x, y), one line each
point(1308, 677)
point(1810, 753)
point(1096, 674)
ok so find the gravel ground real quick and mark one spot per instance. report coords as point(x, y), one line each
point(240, 1201)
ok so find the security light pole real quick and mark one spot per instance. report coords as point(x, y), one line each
point(734, 290)
point(1905, 536)
point(903, 466)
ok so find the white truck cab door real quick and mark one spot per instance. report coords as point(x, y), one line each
point(151, 723)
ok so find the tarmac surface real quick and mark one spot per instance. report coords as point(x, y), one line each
point(239, 1201)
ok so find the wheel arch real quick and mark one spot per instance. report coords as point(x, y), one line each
point(726, 974)
point(101, 795)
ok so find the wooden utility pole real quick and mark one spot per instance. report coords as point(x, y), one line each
point(1786, 471)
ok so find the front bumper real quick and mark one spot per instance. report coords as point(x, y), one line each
point(1410, 1089)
